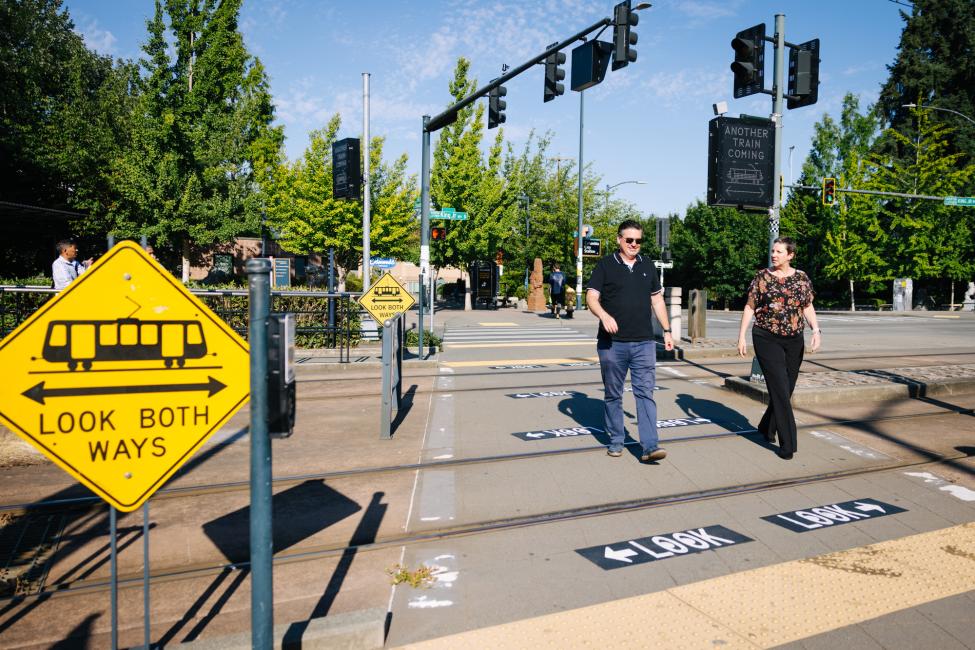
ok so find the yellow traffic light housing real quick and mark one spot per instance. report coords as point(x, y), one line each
point(829, 191)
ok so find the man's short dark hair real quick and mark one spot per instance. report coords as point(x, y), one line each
point(64, 244)
point(626, 225)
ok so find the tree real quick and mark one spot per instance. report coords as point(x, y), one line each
point(301, 208)
point(843, 241)
point(935, 65)
point(718, 249)
point(926, 239)
point(64, 112)
point(202, 141)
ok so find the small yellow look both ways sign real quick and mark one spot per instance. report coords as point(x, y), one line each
point(122, 377)
point(386, 299)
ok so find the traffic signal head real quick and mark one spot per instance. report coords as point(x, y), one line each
point(496, 106)
point(829, 191)
point(749, 65)
point(803, 86)
point(624, 20)
point(438, 232)
point(553, 75)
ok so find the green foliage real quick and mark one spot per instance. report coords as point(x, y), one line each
point(718, 249)
point(925, 239)
point(302, 210)
point(935, 64)
point(202, 141)
point(429, 339)
point(420, 577)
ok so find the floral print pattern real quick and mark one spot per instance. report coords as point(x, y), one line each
point(778, 302)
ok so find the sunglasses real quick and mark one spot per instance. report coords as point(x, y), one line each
point(630, 240)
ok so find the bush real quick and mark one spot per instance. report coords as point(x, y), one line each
point(429, 339)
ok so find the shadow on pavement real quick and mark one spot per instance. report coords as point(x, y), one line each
point(365, 533)
point(732, 420)
point(298, 513)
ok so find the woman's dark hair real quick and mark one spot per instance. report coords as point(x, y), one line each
point(788, 242)
point(626, 225)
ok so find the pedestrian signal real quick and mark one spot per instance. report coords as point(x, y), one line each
point(438, 233)
point(829, 191)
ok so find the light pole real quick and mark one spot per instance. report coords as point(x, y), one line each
point(609, 187)
point(938, 108)
point(527, 200)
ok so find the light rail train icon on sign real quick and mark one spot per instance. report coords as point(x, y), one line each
point(388, 294)
point(84, 342)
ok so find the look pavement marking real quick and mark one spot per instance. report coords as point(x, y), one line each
point(786, 602)
point(634, 552)
point(122, 377)
point(834, 514)
point(570, 432)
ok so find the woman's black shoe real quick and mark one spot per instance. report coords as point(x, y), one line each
point(784, 455)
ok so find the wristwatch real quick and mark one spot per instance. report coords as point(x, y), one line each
point(667, 331)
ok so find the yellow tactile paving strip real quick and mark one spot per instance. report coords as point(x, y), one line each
point(515, 362)
point(760, 608)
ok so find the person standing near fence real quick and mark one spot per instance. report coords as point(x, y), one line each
point(66, 267)
point(781, 300)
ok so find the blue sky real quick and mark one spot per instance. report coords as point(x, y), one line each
point(645, 122)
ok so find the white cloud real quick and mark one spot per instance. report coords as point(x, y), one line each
point(96, 38)
point(673, 87)
point(707, 10)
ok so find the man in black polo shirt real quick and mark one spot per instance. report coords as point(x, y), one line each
point(622, 290)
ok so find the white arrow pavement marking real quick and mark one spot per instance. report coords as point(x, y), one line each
point(534, 435)
point(864, 507)
point(622, 555)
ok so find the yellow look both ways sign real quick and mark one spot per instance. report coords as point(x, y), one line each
point(122, 377)
point(386, 299)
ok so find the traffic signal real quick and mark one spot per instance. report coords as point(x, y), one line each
point(496, 106)
point(438, 232)
point(346, 169)
point(803, 86)
point(553, 75)
point(624, 20)
point(749, 65)
point(829, 191)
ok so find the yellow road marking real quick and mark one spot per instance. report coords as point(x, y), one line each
point(947, 316)
point(760, 608)
point(521, 344)
point(514, 362)
point(498, 324)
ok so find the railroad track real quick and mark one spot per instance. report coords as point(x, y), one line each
point(83, 509)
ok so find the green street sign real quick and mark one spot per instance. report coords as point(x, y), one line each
point(449, 214)
point(960, 200)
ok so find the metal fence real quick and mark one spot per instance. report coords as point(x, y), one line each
point(324, 320)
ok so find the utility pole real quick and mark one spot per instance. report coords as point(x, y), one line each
point(366, 207)
point(579, 224)
point(777, 90)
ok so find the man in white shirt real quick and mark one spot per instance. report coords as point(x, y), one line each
point(67, 267)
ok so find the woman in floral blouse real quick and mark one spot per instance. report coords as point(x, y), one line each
point(781, 299)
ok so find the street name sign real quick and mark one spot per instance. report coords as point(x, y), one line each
point(833, 514)
point(450, 214)
point(631, 552)
point(382, 262)
point(122, 376)
point(386, 299)
point(741, 162)
point(960, 200)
